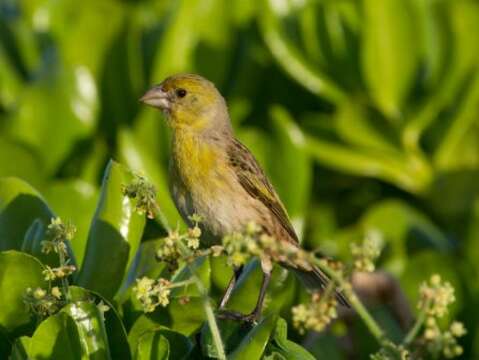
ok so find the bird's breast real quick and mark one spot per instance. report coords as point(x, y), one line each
point(202, 182)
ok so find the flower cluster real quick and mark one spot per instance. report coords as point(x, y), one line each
point(365, 254)
point(152, 293)
point(391, 351)
point(42, 302)
point(316, 315)
point(444, 342)
point(241, 246)
point(145, 195)
point(57, 233)
point(60, 272)
point(435, 297)
point(181, 246)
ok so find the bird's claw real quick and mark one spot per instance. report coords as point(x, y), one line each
point(237, 316)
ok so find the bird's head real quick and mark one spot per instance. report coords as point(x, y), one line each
point(189, 101)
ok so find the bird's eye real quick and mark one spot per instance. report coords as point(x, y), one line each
point(181, 93)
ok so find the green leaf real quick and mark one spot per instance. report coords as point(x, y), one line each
point(151, 346)
point(116, 333)
point(179, 344)
point(91, 329)
point(355, 124)
point(254, 343)
point(64, 102)
point(409, 173)
point(20, 205)
point(114, 236)
point(288, 349)
point(56, 338)
point(290, 59)
point(18, 271)
point(389, 52)
point(404, 226)
point(26, 165)
point(20, 348)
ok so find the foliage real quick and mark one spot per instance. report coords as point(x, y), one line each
point(363, 114)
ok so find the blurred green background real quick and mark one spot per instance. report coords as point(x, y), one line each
point(363, 113)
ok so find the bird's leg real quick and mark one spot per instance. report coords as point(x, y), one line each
point(256, 313)
point(231, 286)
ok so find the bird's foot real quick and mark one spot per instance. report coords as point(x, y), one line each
point(237, 316)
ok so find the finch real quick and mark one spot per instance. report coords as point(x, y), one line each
point(215, 176)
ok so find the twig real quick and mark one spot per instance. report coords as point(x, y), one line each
point(210, 316)
point(363, 313)
point(411, 335)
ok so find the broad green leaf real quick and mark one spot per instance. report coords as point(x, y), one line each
point(454, 152)
point(175, 51)
point(57, 337)
point(289, 58)
point(115, 330)
point(405, 230)
point(73, 28)
point(64, 102)
point(91, 329)
point(26, 164)
point(356, 125)
point(179, 344)
point(232, 333)
point(254, 343)
point(114, 236)
point(10, 80)
point(287, 348)
point(20, 348)
point(389, 52)
point(18, 271)
point(20, 205)
point(408, 173)
point(152, 345)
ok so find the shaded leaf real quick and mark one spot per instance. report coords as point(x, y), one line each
point(114, 236)
point(18, 271)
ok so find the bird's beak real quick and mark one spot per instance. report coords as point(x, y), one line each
point(157, 98)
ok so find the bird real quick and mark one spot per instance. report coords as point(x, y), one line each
point(213, 175)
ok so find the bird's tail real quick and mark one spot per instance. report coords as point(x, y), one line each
point(315, 280)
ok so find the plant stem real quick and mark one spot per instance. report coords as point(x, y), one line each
point(361, 310)
point(210, 316)
point(64, 279)
point(181, 283)
point(411, 335)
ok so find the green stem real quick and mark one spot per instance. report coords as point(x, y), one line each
point(357, 305)
point(64, 280)
point(411, 335)
point(181, 283)
point(210, 316)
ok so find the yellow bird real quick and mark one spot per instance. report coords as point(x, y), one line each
point(214, 175)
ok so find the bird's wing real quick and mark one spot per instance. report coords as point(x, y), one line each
point(255, 182)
